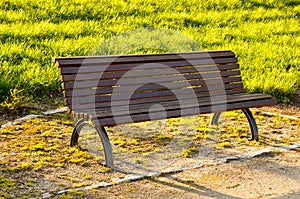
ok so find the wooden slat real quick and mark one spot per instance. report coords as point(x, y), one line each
point(150, 88)
point(138, 66)
point(99, 105)
point(161, 70)
point(65, 61)
point(184, 111)
point(205, 108)
point(203, 91)
point(176, 104)
point(156, 79)
point(155, 65)
point(158, 93)
point(147, 87)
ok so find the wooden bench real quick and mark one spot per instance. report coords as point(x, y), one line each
point(112, 90)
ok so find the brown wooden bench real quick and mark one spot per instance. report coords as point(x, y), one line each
point(112, 90)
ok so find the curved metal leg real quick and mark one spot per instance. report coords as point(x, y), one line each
point(75, 133)
point(250, 118)
point(215, 118)
point(109, 161)
point(252, 123)
point(103, 137)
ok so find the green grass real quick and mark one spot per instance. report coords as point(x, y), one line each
point(263, 34)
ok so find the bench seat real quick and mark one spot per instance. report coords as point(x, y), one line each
point(171, 109)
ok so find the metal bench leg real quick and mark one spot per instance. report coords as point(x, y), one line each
point(75, 135)
point(109, 161)
point(103, 137)
point(250, 118)
point(252, 123)
point(215, 118)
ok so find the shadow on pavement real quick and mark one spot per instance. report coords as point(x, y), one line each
point(191, 187)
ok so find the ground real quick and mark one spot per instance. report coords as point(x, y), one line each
point(36, 160)
point(274, 176)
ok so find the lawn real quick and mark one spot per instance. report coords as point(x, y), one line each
point(263, 34)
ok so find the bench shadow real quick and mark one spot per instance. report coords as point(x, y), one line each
point(191, 187)
point(290, 195)
point(197, 189)
point(282, 170)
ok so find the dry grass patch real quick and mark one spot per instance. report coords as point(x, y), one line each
point(36, 157)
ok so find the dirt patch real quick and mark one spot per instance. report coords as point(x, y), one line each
point(283, 109)
point(27, 108)
point(276, 176)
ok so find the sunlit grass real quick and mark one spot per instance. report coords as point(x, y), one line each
point(263, 34)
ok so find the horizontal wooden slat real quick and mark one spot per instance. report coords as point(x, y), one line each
point(86, 106)
point(176, 104)
point(149, 66)
point(134, 66)
point(149, 80)
point(157, 93)
point(148, 87)
point(65, 61)
point(203, 108)
point(160, 70)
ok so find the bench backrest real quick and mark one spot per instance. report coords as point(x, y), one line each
point(98, 81)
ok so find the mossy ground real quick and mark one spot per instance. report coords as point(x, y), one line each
point(36, 157)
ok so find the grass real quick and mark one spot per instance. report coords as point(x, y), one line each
point(189, 151)
point(263, 34)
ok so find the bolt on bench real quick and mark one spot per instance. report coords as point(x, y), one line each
point(112, 90)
